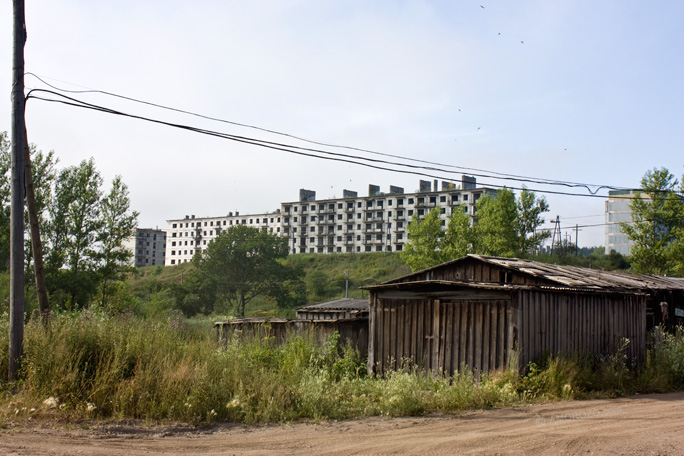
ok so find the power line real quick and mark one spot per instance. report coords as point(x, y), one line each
point(503, 176)
point(308, 152)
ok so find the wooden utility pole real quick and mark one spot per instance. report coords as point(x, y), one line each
point(36, 244)
point(16, 318)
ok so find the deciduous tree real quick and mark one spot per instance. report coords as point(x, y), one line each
point(657, 227)
point(244, 262)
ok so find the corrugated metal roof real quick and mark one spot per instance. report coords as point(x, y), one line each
point(567, 276)
point(337, 304)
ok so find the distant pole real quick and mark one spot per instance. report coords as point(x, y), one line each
point(346, 284)
point(576, 241)
point(16, 319)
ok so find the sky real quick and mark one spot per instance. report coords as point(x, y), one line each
point(571, 90)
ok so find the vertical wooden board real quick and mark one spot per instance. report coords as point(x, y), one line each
point(375, 337)
point(463, 337)
point(502, 334)
point(436, 336)
point(486, 332)
point(493, 334)
point(393, 334)
point(448, 337)
point(420, 334)
point(413, 316)
point(456, 337)
point(386, 354)
point(478, 337)
point(371, 335)
point(514, 326)
point(401, 331)
point(470, 352)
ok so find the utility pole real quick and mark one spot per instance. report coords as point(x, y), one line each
point(556, 228)
point(576, 242)
point(16, 318)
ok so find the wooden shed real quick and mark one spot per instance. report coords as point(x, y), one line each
point(475, 311)
point(343, 308)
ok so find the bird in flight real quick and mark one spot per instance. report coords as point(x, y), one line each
point(481, 6)
point(522, 42)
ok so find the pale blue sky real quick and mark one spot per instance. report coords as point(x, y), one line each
point(594, 94)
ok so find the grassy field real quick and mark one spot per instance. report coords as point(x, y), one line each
point(92, 365)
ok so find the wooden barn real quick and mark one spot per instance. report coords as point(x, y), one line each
point(475, 311)
point(348, 317)
point(344, 308)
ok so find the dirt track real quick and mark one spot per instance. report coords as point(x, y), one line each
point(649, 424)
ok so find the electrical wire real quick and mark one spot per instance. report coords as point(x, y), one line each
point(308, 152)
point(503, 176)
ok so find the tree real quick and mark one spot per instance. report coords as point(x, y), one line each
point(243, 262)
point(529, 219)
point(497, 230)
point(424, 247)
point(76, 223)
point(117, 225)
point(503, 226)
point(657, 227)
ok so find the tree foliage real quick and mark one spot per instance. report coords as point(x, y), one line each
point(82, 230)
point(657, 227)
point(244, 262)
point(502, 226)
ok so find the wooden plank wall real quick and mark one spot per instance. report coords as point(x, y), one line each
point(440, 335)
point(567, 323)
point(352, 331)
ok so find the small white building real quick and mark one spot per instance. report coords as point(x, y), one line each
point(191, 235)
point(148, 246)
point(619, 210)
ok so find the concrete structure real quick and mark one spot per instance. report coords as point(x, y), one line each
point(148, 246)
point(618, 210)
point(373, 223)
point(190, 235)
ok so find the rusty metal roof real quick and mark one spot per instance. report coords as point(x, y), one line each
point(568, 276)
point(337, 304)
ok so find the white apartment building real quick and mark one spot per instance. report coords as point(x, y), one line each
point(618, 210)
point(148, 247)
point(190, 235)
point(373, 223)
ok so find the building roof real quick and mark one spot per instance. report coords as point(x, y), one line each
point(565, 276)
point(337, 305)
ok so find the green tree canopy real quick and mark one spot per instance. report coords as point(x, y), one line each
point(244, 262)
point(657, 227)
point(502, 226)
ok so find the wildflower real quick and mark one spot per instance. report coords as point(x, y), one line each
point(51, 402)
point(90, 406)
point(188, 404)
point(233, 404)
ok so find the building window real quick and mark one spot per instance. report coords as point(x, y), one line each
point(173, 226)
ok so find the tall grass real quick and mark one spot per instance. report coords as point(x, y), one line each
point(92, 365)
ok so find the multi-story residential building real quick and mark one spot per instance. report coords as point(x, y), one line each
point(618, 210)
point(373, 223)
point(148, 246)
point(190, 235)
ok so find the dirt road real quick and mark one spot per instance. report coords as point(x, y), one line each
point(648, 424)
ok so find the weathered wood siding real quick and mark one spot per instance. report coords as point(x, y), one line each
point(585, 323)
point(472, 270)
point(354, 331)
point(445, 333)
point(441, 335)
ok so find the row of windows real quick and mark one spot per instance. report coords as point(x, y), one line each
point(323, 207)
point(348, 249)
point(252, 221)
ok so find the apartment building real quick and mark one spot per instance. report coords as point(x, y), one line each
point(190, 235)
point(618, 210)
point(373, 223)
point(148, 247)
